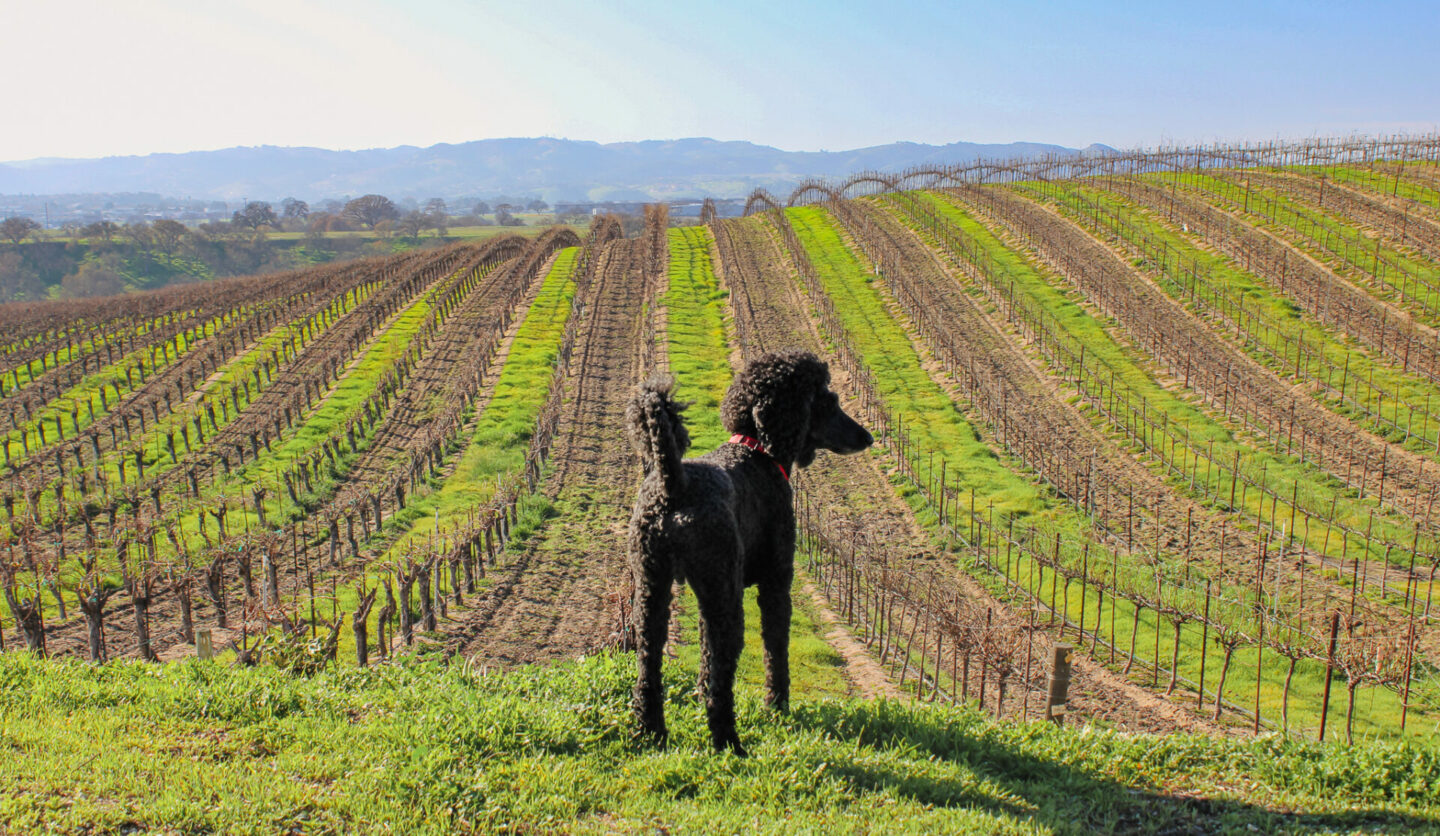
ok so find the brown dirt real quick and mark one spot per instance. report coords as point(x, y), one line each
point(865, 675)
point(557, 599)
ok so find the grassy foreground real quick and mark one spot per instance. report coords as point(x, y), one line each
point(425, 747)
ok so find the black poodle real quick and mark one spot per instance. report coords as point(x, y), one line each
point(725, 521)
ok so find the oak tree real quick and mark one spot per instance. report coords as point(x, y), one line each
point(16, 229)
point(371, 209)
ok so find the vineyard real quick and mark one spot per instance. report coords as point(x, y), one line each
point(1178, 409)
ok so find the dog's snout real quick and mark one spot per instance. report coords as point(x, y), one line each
point(861, 439)
point(853, 438)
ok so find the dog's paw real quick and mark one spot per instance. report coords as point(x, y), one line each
point(732, 743)
point(652, 738)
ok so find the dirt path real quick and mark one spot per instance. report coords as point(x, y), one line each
point(558, 598)
point(863, 672)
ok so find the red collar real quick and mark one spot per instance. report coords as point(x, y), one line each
point(747, 441)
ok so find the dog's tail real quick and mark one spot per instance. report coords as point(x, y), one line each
point(657, 431)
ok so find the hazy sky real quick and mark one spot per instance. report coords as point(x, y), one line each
point(93, 79)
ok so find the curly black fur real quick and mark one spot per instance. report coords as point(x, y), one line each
point(723, 522)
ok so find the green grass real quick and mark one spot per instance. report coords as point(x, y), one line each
point(343, 403)
point(1279, 312)
point(932, 419)
point(1381, 182)
point(497, 446)
point(1316, 493)
point(213, 393)
point(697, 344)
point(1327, 235)
point(425, 748)
point(55, 354)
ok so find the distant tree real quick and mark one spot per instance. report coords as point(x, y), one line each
point(504, 218)
point(101, 229)
point(17, 229)
point(321, 223)
point(315, 228)
point(100, 277)
point(139, 234)
point(503, 207)
point(482, 208)
point(18, 282)
point(536, 205)
point(371, 210)
point(294, 210)
point(215, 229)
point(257, 213)
point(437, 216)
point(412, 223)
point(167, 235)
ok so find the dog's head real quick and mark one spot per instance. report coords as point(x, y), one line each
point(784, 401)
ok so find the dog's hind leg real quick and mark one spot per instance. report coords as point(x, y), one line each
point(774, 596)
point(722, 608)
point(652, 612)
point(703, 675)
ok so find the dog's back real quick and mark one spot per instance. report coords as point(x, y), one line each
point(689, 512)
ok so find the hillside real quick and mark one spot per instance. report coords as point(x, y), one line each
point(429, 748)
point(1176, 410)
point(553, 169)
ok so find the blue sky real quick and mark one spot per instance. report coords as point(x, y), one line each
point(102, 78)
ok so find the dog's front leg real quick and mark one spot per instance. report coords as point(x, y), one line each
point(652, 612)
point(774, 597)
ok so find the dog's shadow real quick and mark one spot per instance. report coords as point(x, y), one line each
point(1066, 797)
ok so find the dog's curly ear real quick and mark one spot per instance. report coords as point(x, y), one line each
point(786, 388)
point(782, 423)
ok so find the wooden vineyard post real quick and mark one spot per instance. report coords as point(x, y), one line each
point(1029, 651)
point(1409, 647)
point(1059, 683)
point(1329, 671)
point(1204, 642)
point(204, 649)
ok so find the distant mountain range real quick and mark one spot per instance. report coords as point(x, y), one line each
point(553, 169)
